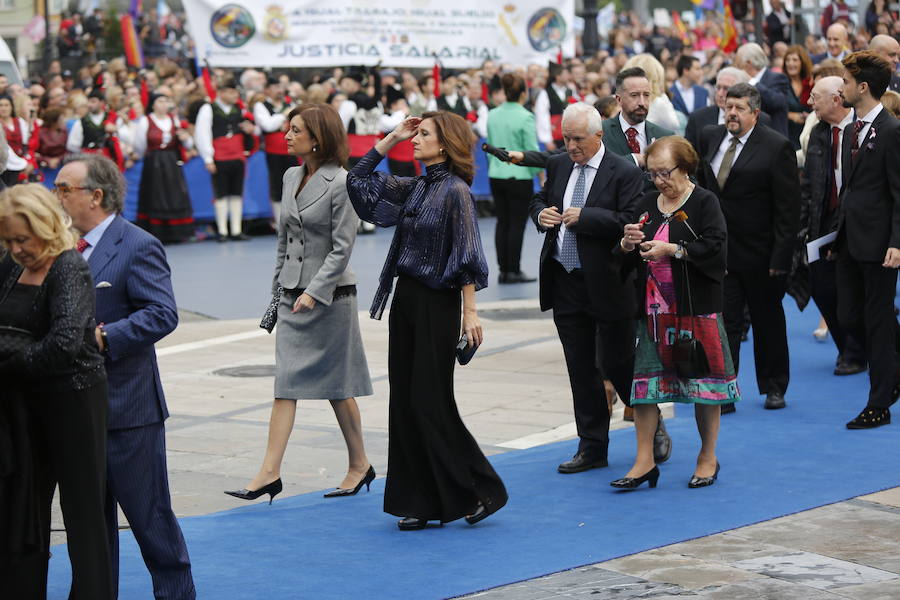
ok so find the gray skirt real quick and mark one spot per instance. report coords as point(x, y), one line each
point(319, 354)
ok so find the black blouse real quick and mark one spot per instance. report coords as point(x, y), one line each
point(706, 251)
point(61, 315)
point(436, 241)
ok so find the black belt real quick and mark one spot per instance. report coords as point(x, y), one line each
point(341, 291)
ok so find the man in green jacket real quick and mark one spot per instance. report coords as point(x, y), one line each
point(511, 126)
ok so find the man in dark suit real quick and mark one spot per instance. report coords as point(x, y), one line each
point(715, 114)
point(774, 88)
point(135, 309)
point(820, 187)
point(868, 241)
point(753, 171)
point(588, 197)
point(687, 93)
point(837, 41)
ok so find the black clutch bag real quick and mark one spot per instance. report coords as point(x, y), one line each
point(464, 352)
point(14, 340)
point(270, 317)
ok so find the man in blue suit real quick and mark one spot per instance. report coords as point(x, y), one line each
point(774, 88)
point(687, 93)
point(135, 309)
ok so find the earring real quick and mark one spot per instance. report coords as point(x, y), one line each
point(442, 150)
point(315, 148)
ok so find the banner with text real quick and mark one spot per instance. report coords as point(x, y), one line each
point(399, 33)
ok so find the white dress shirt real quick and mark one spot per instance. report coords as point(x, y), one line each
point(755, 79)
point(203, 136)
point(641, 135)
point(838, 179)
point(723, 147)
point(868, 118)
point(687, 94)
point(721, 119)
point(14, 162)
point(76, 134)
point(589, 172)
point(266, 121)
point(93, 236)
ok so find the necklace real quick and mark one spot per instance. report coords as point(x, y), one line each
point(668, 215)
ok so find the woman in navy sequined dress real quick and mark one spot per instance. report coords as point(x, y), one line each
point(436, 471)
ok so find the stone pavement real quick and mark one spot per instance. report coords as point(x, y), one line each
point(514, 395)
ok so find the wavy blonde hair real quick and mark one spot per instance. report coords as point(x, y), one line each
point(654, 70)
point(44, 215)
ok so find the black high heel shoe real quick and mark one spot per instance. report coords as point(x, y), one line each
point(630, 483)
point(698, 482)
point(272, 489)
point(366, 480)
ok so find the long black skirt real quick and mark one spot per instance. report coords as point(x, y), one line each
point(164, 206)
point(436, 470)
point(23, 554)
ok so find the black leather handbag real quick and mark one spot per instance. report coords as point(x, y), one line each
point(14, 340)
point(688, 353)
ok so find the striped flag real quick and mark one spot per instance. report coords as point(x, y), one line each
point(729, 41)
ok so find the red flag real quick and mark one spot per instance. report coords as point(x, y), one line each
point(559, 56)
point(729, 41)
point(207, 82)
point(436, 75)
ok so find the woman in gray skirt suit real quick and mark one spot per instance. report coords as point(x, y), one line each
point(319, 351)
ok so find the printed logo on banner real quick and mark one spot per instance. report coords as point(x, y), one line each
point(232, 26)
point(275, 24)
point(546, 29)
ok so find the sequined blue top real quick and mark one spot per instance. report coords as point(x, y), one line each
point(436, 241)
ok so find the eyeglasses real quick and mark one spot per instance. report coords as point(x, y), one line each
point(65, 190)
point(661, 175)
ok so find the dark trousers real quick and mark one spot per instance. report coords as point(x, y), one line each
point(436, 470)
point(594, 350)
point(824, 290)
point(277, 164)
point(228, 180)
point(138, 481)
point(866, 310)
point(762, 294)
point(511, 200)
point(72, 442)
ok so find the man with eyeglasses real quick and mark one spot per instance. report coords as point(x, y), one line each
point(135, 309)
point(753, 171)
point(821, 186)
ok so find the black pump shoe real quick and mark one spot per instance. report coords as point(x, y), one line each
point(272, 489)
point(698, 482)
point(411, 523)
point(870, 418)
point(630, 483)
point(366, 480)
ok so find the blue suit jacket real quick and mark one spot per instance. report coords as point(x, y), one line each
point(137, 305)
point(701, 98)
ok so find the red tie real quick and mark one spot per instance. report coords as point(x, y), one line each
point(835, 140)
point(82, 245)
point(631, 133)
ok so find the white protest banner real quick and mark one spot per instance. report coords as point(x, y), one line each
point(399, 33)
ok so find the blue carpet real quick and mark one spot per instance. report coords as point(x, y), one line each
point(774, 463)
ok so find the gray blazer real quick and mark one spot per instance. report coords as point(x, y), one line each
point(316, 233)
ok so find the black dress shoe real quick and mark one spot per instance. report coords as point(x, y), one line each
point(729, 408)
point(366, 480)
point(631, 483)
point(240, 237)
point(221, 238)
point(519, 277)
point(582, 462)
point(272, 489)
point(411, 523)
point(775, 400)
point(870, 418)
point(481, 513)
point(503, 277)
point(849, 368)
point(698, 482)
point(662, 443)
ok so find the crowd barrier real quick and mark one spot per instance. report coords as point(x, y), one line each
point(256, 186)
